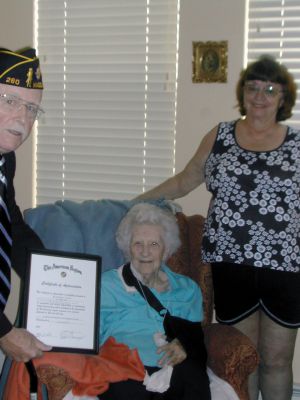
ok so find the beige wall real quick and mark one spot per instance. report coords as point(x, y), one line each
point(16, 26)
point(200, 106)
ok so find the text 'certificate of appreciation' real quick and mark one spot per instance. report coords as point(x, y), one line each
point(62, 298)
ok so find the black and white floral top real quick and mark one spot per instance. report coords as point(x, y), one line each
point(254, 214)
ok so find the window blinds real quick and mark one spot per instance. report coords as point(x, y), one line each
point(109, 70)
point(274, 28)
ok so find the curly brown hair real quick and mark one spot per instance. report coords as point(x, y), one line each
point(266, 68)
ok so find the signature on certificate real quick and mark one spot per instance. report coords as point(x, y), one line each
point(44, 334)
point(71, 335)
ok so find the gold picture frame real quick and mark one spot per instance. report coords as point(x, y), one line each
point(210, 61)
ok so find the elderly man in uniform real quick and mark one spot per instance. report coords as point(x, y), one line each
point(21, 89)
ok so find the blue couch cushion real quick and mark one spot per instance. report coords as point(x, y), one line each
point(87, 227)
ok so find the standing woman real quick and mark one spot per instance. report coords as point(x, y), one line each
point(252, 234)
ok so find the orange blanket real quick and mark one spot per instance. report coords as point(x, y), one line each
point(85, 375)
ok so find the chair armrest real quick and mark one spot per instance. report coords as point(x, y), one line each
point(187, 260)
point(231, 355)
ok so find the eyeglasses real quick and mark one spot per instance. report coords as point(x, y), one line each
point(269, 90)
point(13, 103)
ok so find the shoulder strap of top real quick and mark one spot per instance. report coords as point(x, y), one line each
point(144, 291)
point(225, 129)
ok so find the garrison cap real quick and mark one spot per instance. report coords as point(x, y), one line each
point(20, 68)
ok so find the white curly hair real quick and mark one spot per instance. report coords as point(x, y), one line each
point(149, 214)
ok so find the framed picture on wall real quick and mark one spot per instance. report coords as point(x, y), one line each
point(210, 61)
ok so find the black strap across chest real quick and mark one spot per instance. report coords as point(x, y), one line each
point(144, 291)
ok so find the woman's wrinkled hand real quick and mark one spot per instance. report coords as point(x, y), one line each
point(174, 353)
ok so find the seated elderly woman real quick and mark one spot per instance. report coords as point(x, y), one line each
point(148, 236)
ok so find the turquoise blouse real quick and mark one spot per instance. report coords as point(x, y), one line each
point(127, 317)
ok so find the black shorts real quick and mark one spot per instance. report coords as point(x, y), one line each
point(240, 290)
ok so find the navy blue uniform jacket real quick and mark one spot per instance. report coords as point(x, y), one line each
point(22, 235)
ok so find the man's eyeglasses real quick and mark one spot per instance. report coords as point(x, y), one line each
point(14, 103)
point(269, 90)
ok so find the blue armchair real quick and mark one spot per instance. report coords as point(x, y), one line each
point(89, 227)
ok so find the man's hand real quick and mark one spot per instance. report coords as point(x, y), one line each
point(174, 353)
point(21, 345)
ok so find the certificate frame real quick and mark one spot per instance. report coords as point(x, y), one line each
point(61, 300)
point(210, 62)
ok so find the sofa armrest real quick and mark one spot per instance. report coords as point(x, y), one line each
point(231, 355)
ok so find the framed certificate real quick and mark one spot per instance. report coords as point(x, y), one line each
point(62, 300)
